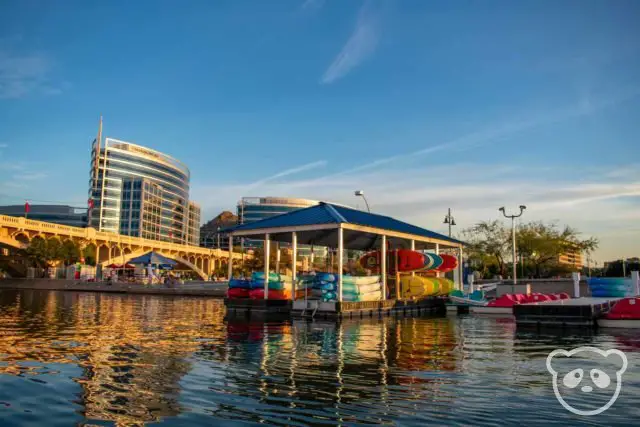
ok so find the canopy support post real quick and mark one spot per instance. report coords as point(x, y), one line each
point(340, 256)
point(383, 267)
point(266, 266)
point(294, 262)
point(230, 265)
point(437, 253)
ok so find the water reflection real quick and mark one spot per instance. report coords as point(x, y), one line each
point(130, 360)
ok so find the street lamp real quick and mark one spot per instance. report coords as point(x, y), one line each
point(513, 236)
point(218, 233)
point(360, 193)
point(449, 220)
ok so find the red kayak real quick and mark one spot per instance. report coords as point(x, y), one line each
point(408, 260)
point(234, 293)
point(273, 294)
point(449, 263)
point(624, 314)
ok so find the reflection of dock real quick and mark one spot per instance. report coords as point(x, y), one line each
point(578, 312)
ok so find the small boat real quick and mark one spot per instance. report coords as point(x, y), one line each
point(624, 314)
point(505, 303)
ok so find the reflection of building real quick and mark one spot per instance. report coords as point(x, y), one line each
point(571, 257)
point(120, 171)
point(59, 214)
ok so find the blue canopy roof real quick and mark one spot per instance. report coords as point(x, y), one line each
point(326, 213)
point(153, 258)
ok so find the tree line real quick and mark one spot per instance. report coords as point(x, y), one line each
point(539, 247)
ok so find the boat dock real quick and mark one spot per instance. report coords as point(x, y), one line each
point(576, 312)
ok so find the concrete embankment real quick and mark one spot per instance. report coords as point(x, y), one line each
point(200, 289)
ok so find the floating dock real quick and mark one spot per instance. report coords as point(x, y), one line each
point(577, 312)
point(352, 310)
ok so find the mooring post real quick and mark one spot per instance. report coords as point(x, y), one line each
point(576, 284)
point(635, 281)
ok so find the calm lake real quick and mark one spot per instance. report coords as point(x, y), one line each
point(70, 359)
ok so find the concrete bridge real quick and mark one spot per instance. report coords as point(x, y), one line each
point(18, 232)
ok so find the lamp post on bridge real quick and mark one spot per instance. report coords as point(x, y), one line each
point(513, 237)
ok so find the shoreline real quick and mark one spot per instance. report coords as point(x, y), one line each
point(206, 289)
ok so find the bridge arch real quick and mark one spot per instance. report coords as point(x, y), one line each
point(127, 257)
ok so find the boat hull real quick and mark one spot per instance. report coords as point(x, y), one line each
point(619, 323)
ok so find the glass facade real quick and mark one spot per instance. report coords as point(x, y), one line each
point(140, 192)
point(251, 209)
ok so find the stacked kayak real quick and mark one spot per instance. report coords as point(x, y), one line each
point(603, 287)
point(278, 287)
point(409, 261)
point(624, 314)
point(417, 286)
point(324, 286)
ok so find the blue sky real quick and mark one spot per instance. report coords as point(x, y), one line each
point(423, 105)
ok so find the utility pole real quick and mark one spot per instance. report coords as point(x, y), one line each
point(513, 237)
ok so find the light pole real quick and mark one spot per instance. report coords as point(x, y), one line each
point(513, 236)
point(218, 234)
point(449, 220)
point(360, 193)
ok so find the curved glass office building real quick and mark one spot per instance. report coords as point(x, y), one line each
point(252, 209)
point(141, 192)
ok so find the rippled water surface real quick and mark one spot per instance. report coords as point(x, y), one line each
point(95, 359)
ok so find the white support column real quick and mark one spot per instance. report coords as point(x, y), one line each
point(437, 253)
point(294, 262)
point(383, 267)
point(278, 258)
point(266, 265)
point(340, 257)
point(413, 248)
point(230, 266)
point(460, 270)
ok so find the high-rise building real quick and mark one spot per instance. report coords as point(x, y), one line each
point(193, 224)
point(142, 192)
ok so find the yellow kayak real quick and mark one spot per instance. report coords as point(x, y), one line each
point(417, 286)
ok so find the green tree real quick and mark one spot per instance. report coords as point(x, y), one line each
point(488, 245)
point(542, 244)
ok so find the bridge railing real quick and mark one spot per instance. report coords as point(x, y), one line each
point(92, 234)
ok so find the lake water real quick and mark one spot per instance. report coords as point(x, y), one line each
point(95, 359)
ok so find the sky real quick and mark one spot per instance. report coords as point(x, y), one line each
point(424, 106)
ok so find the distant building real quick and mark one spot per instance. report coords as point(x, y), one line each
point(58, 214)
point(572, 258)
point(251, 209)
point(212, 237)
point(193, 224)
point(138, 191)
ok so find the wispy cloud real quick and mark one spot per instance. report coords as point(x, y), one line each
point(29, 176)
point(501, 130)
point(312, 4)
point(22, 74)
point(288, 172)
point(361, 44)
point(4, 146)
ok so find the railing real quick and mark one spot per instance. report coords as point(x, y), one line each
point(91, 234)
